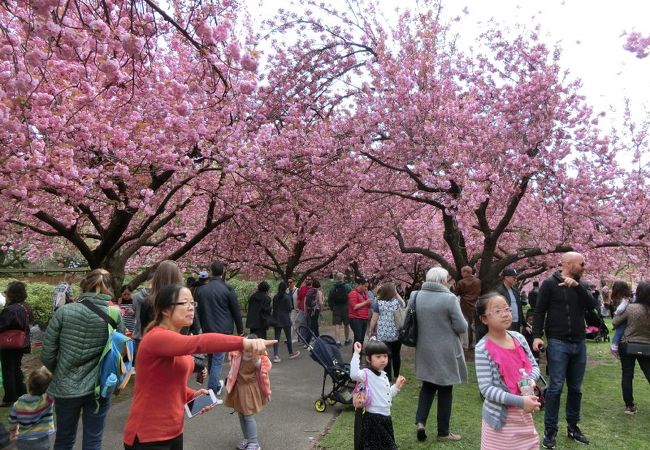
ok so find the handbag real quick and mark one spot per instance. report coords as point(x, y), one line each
point(398, 316)
point(361, 397)
point(408, 333)
point(637, 349)
point(15, 339)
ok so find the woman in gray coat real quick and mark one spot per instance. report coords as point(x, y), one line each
point(439, 359)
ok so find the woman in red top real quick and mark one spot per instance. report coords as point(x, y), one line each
point(164, 367)
point(359, 310)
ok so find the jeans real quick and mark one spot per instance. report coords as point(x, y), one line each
point(425, 400)
point(214, 372)
point(359, 327)
point(12, 375)
point(394, 360)
point(627, 373)
point(287, 334)
point(248, 427)
point(68, 411)
point(618, 334)
point(566, 361)
point(42, 443)
point(171, 444)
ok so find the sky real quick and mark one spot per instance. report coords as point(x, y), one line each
point(590, 33)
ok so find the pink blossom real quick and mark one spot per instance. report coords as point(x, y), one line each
point(249, 63)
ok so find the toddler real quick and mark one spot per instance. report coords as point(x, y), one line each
point(249, 390)
point(375, 429)
point(31, 415)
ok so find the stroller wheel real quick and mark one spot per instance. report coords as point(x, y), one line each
point(319, 405)
point(330, 401)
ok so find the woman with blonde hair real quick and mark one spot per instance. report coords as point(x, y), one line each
point(73, 345)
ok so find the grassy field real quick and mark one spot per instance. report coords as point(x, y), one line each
point(603, 417)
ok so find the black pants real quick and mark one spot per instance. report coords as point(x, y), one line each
point(394, 360)
point(359, 327)
point(427, 392)
point(312, 320)
point(287, 334)
point(259, 332)
point(171, 444)
point(628, 362)
point(12, 375)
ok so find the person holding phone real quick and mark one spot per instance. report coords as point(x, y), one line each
point(164, 366)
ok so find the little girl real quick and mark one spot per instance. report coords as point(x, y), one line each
point(376, 425)
point(32, 415)
point(499, 356)
point(249, 389)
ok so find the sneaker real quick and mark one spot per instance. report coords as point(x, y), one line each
point(253, 446)
point(450, 437)
point(276, 359)
point(294, 355)
point(630, 410)
point(574, 433)
point(421, 433)
point(549, 439)
point(242, 445)
point(347, 342)
point(221, 385)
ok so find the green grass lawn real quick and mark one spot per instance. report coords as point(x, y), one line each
point(603, 417)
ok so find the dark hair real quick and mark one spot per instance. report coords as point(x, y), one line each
point(38, 380)
point(375, 347)
point(16, 292)
point(164, 299)
point(217, 268)
point(282, 288)
point(263, 286)
point(387, 291)
point(315, 284)
point(481, 308)
point(190, 281)
point(620, 290)
point(125, 288)
point(361, 280)
point(643, 295)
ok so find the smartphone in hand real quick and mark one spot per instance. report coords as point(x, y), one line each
point(194, 406)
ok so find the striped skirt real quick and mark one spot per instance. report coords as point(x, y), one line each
point(518, 431)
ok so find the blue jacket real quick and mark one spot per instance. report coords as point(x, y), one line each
point(218, 308)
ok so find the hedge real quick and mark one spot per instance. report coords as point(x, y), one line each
point(39, 297)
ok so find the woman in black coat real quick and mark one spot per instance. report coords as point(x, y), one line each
point(15, 316)
point(282, 307)
point(259, 311)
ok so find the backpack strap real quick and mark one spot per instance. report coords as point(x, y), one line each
point(100, 312)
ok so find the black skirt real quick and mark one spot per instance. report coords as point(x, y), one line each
point(376, 431)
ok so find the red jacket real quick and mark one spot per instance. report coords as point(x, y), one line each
point(165, 365)
point(354, 298)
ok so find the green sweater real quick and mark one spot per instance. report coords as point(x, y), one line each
point(74, 341)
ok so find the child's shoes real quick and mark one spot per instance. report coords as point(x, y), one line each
point(253, 446)
point(243, 445)
point(613, 349)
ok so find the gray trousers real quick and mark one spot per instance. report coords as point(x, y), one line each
point(248, 427)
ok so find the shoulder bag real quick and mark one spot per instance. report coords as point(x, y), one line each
point(399, 314)
point(637, 349)
point(15, 339)
point(408, 334)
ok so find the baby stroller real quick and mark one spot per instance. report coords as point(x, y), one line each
point(596, 329)
point(324, 351)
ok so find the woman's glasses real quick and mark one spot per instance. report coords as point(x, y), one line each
point(186, 304)
point(499, 312)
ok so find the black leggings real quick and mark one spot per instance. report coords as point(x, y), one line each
point(394, 360)
point(313, 322)
point(171, 444)
point(359, 327)
point(287, 334)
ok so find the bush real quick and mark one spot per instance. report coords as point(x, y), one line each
point(39, 297)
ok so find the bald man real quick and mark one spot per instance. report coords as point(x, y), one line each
point(560, 314)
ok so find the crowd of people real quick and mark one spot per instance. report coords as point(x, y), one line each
point(174, 322)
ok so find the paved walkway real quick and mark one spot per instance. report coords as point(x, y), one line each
point(289, 421)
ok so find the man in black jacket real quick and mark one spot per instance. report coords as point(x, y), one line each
point(560, 314)
point(218, 309)
point(513, 297)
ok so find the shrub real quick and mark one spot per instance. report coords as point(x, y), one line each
point(39, 297)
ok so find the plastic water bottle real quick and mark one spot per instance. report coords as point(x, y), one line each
point(109, 387)
point(526, 384)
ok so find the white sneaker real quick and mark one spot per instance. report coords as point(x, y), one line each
point(294, 354)
point(276, 359)
point(221, 385)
